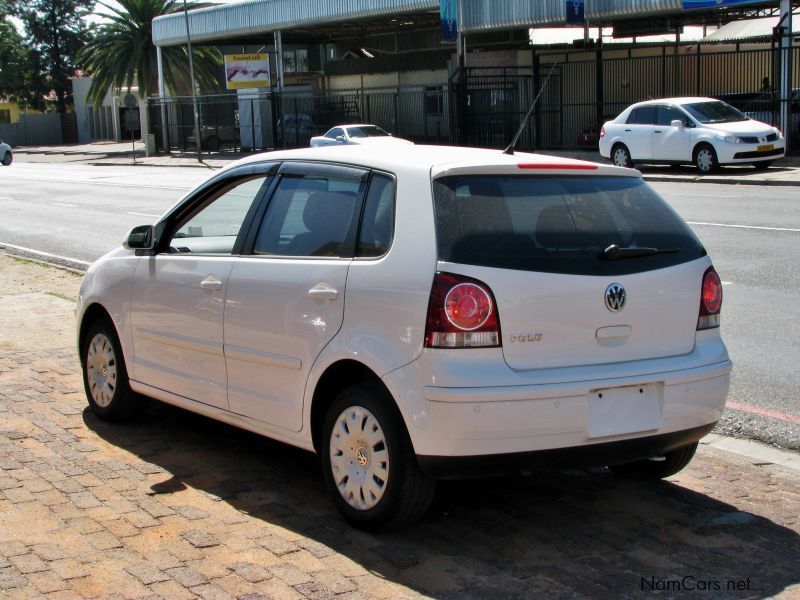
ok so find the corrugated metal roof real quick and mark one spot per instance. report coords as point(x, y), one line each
point(264, 16)
point(490, 15)
point(736, 31)
point(604, 9)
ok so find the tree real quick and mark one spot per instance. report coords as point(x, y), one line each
point(56, 31)
point(122, 53)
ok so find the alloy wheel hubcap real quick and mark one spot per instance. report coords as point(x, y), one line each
point(101, 369)
point(704, 160)
point(359, 458)
point(620, 159)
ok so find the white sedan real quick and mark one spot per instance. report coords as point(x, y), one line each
point(700, 131)
point(355, 134)
point(5, 154)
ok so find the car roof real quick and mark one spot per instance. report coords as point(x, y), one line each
point(439, 160)
point(679, 100)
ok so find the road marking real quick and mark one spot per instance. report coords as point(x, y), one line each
point(67, 205)
point(727, 283)
point(792, 229)
point(101, 183)
point(44, 254)
point(6, 198)
point(700, 196)
point(764, 412)
point(144, 215)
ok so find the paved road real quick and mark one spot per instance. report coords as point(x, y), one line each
point(751, 232)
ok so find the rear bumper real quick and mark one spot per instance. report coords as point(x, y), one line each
point(560, 414)
point(592, 455)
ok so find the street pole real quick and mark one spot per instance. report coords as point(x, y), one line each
point(162, 94)
point(191, 75)
point(785, 82)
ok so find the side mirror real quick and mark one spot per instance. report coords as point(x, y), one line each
point(340, 138)
point(677, 123)
point(140, 238)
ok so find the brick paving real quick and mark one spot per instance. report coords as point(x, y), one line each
point(178, 506)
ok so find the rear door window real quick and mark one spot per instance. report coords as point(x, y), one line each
point(644, 115)
point(557, 224)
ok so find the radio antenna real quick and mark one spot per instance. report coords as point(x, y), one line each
point(510, 148)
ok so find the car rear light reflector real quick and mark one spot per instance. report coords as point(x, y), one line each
point(710, 300)
point(559, 166)
point(602, 132)
point(462, 313)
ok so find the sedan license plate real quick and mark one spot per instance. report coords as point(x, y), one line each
point(629, 409)
point(766, 148)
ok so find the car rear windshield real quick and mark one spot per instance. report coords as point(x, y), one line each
point(714, 112)
point(559, 224)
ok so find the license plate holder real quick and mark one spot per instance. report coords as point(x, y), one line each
point(628, 409)
point(765, 148)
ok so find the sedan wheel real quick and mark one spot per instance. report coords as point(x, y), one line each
point(369, 462)
point(705, 159)
point(7, 158)
point(105, 377)
point(622, 157)
point(657, 468)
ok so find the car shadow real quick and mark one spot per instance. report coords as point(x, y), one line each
point(728, 171)
point(565, 534)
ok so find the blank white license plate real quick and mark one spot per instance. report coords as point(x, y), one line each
point(629, 409)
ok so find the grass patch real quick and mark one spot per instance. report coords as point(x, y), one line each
point(66, 297)
point(39, 263)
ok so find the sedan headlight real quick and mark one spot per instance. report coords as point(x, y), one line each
point(778, 133)
point(731, 139)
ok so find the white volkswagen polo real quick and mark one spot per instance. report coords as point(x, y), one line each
point(700, 131)
point(426, 313)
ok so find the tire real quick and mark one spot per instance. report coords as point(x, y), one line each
point(369, 463)
point(621, 156)
point(763, 165)
point(105, 377)
point(649, 469)
point(705, 159)
point(7, 158)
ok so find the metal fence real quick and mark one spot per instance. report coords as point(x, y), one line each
point(484, 106)
point(266, 120)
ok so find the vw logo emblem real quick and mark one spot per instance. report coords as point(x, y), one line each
point(615, 297)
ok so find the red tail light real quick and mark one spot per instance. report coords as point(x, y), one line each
point(710, 300)
point(462, 313)
point(602, 132)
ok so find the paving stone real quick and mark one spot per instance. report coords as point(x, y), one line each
point(48, 552)
point(289, 574)
point(190, 512)
point(28, 563)
point(200, 539)
point(251, 572)
point(187, 577)
point(18, 494)
point(315, 590)
point(103, 540)
point(85, 500)
point(211, 592)
point(277, 545)
point(147, 573)
point(48, 582)
point(335, 581)
point(10, 581)
point(12, 548)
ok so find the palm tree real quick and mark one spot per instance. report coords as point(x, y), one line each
point(122, 52)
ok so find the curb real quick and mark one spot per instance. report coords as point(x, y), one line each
point(721, 180)
point(756, 452)
point(46, 259)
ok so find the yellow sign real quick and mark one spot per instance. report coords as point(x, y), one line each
point(247, 71)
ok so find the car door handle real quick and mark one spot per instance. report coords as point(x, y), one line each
point(628, 130)
point(657, 131)
point(322, 291)
point(211, 283)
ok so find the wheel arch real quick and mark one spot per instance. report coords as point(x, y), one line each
point(93, 313)
point(336, 377)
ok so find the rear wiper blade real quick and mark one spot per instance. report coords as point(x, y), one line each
point(614, 252)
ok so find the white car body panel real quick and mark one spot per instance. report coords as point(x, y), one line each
point(251, 354)
point(176, 325)
point(274, 332)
